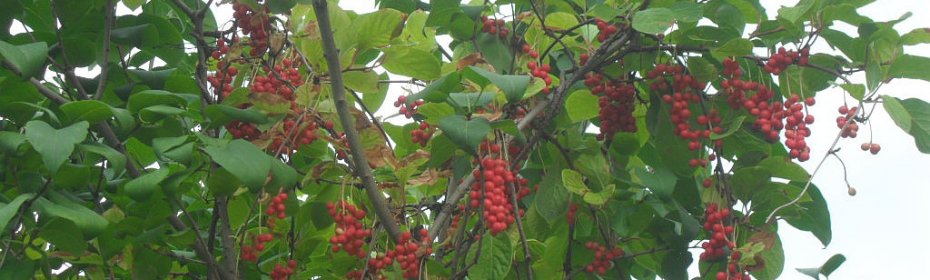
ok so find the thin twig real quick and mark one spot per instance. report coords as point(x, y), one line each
point(104, 66)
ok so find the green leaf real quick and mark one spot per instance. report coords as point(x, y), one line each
point(220, 115)
point(64, 235)
point(898, 113)
point(913, 119)
point(814, 216)
point(92, 111)
point(601, 197)
point(561, 21)
point(783, 167)
point(574, 182)
point(149, 98)
point(376, 29)
point(857, 91)
point(660, 181)
point(733, 126)
point(916, 37)
point(90, 223)
point(653, 20)
point(832, 264)
point(514, 86)
point(552, 199)
point(702, 69)
point(826, 269)
point(29, 59)
point(747, 181)
point(438, 90)
point(246, 161)
point(793, 14)
point(773, 260)
point(734, 47)
point(471, 100)
point(687, 11)
point(362, 81)
point(496, 51)
point(412, 62)
point(467, 134)
point(495, 258)
point(117, 160)
point(581, 105)
point(55, 146)
point(910, 67)
point(281, 6)
point(10, 141)
point(9, 210)
point(142, 188)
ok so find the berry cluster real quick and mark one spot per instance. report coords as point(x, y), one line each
point(572, 210)
point(734, 272)
point(250, 252)
point(683, 91)
point(494, 27)
point(242, 130)
point(279, 81)
point(617, 102)
point(605, 30)
point(304, 135)
point(718, 230)
point(490, 184)
point(350, 233)
point(281, 272)
point(846, 115)
point(407, 109)
point(603, 258)
point(407, 253)
point(771, 116)
point(253, 23)
point(530, 51)
point(779, 61)
point(542, 72)
point(871, 147)
point(276, 208)
point(796, 130)
point(222, 79)
point(421, 134)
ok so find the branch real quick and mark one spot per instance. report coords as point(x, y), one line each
point(363, 170)
point(104, 67)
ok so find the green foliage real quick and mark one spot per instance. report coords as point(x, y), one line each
point(151, 170)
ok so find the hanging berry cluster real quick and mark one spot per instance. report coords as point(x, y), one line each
point(350, 233)
point(605, 30)
point(408, 110)
point(279, 80)
point(780, 61)
point(851, 130)
point(491, 184)
point(222, 79)
point(684, 91)
point(494, 27)
point(407, 254)
point(771, 116)
point(617, 101)
point(603, 258)
point(734, 272)
point(718, 231)
point(421, 134)
point(541, 72)
point(256, 24)
point(281, 272)
point(276, 209)
point(796, 129)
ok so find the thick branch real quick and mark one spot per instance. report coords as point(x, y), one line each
point(362, 169)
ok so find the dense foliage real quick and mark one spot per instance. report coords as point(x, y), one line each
point(542, 139)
